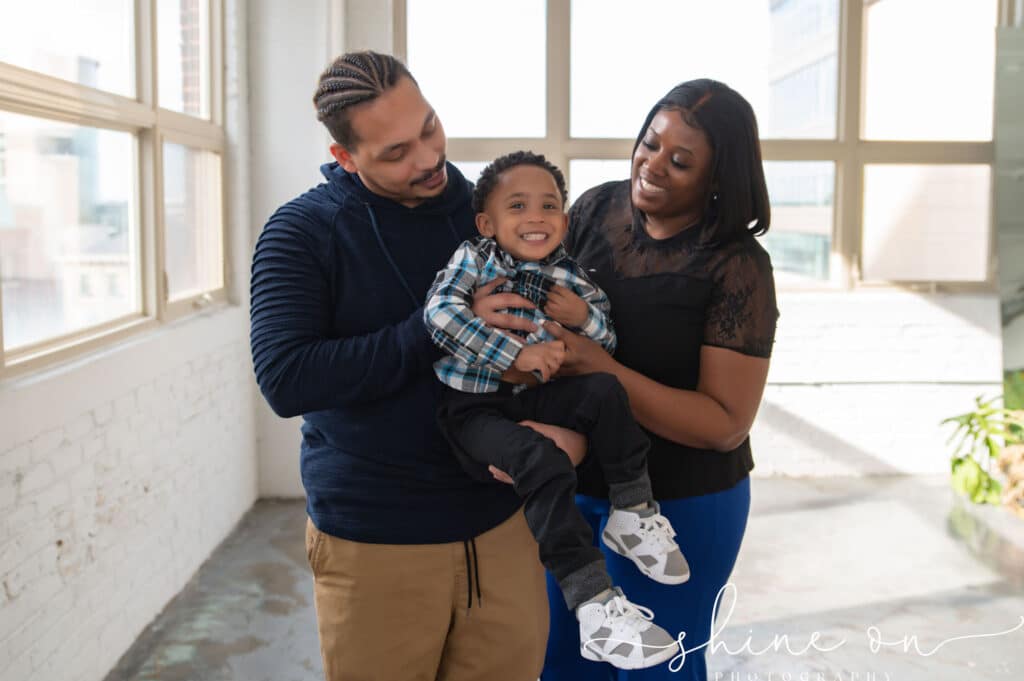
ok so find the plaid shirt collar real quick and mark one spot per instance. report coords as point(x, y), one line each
point(508, 260)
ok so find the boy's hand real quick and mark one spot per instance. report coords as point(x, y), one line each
point(566, 308)
point(543, 357)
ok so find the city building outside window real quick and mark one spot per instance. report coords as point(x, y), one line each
point(877, 175)
point(111, 144)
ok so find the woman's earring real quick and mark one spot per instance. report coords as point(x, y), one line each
point(714, 197)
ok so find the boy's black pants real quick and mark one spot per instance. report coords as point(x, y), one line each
point(483, 429)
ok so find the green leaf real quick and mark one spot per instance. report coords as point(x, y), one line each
point(966, 477)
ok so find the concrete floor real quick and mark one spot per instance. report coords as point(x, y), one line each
point(841, 563)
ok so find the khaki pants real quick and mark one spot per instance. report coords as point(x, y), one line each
point(397, 612)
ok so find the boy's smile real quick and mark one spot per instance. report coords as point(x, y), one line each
point(524, 213)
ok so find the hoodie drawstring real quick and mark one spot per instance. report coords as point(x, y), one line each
point(472, 565)
point(471, 568)
point(391, 261)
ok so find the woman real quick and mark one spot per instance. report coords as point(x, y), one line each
point(693, 301)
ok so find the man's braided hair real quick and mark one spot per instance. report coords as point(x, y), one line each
point(353, 78)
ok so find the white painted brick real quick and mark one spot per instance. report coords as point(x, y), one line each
point(38, 476)
point(146, 396)
point(79, 427)
point(26, 528)
point(92, 446)
point(102, 413)
point(8, 491)
point(15, 458)
point(44, 443)
point(83, 480)
point(124, 406)
point(20, 668)
point(48, 501)
point(11, 554)
point(117, 538)
point(29, 632)
point(66, 459)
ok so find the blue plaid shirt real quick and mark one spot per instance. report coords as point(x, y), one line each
point(480, 354)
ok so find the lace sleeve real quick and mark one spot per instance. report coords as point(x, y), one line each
point(742, 313)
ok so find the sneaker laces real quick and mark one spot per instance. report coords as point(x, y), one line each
point(660, 530)
point(620, 606)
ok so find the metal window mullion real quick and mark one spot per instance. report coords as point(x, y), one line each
point(3, 353)
point(149, 266)
point(201, 134)
point(66, 348)
point(70, 338)
point(399, 30)
point(925, 153)
point(217, 49)
point(849, 174)
point(802, 150)
point(150, 153)
point(159, 224)
point(37, 94)
point(557, 104)
point(189, 130)
point(145, 53)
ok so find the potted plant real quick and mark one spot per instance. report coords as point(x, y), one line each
point(986, 436)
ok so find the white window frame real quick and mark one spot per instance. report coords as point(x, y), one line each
point(28, 92)
point(850, 152)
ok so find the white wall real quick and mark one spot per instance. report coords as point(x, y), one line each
point(290, 44)
point(860, 380)
point(121, 472)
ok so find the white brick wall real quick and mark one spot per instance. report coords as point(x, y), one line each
point(108, 507)
point(121, 472)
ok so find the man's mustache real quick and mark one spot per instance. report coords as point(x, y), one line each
point(433, 170)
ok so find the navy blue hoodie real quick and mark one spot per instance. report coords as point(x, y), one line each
point(339, 277)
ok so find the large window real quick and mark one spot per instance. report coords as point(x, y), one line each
point(111, 142)
point(877, 136)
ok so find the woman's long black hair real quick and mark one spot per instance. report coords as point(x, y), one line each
point(738, 194)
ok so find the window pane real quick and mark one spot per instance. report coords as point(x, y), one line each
point(929, 69)
point(926, 223)
point(183, 39)
point(584, 174)
point(781, 57)
point(67, 228)
point(800, 237)
point(480, 87)
point(471, 169)
point(84, 41)
point(192, 221)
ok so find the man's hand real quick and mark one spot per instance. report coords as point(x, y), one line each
point(487, 306)
point(543, 357)
point(566, 308)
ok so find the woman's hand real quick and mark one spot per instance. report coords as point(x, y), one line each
point(582, 355)
point(486, 306)
point(569, 441)
point(567, 308)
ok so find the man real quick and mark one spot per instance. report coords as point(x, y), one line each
point(419, 571)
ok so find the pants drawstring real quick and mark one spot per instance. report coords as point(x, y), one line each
point(472, 567)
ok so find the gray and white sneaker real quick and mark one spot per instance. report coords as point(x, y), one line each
point(646, 537)
point(622, 634)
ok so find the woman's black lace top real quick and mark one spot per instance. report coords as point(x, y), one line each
point(669, 298)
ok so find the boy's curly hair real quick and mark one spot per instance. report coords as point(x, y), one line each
point(489, 177)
